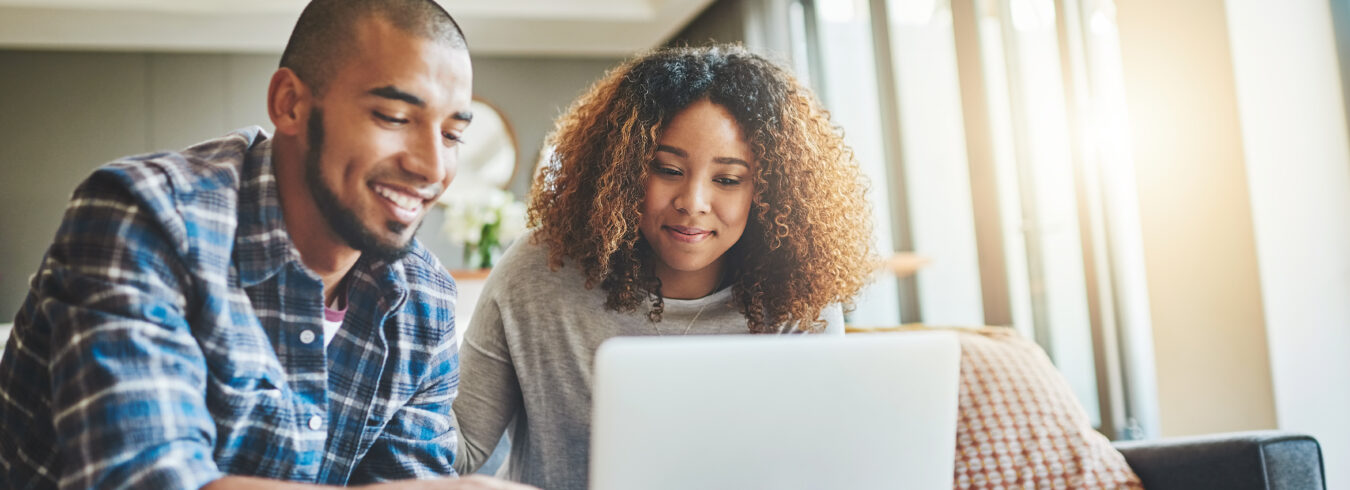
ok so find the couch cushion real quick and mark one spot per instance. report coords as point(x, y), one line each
point(1020, 425)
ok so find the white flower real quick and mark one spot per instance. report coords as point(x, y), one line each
point(463, 222)
point(497, 200)
point(468, 214)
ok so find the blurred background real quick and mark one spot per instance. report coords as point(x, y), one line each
point(1158, 192)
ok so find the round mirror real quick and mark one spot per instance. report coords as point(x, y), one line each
point(487, 154)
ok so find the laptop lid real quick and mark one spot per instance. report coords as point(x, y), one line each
point(775, 412)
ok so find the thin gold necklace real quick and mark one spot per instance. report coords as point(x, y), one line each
point(686, 327)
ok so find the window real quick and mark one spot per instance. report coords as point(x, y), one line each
point(999, 130)
point(842, 37)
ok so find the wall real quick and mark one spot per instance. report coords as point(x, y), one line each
point(65, 113)
point(760, 25)
point(532, 92)
point(52, 99)
point(724, 21)
point(1295, 140)
point(1209, 328)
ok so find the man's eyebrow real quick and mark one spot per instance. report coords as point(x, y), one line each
point(392, 92)
point(395, 93)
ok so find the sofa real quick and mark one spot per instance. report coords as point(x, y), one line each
point(1020, 424)
point(1266, 460)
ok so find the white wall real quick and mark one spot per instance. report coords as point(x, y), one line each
point(1298, 159)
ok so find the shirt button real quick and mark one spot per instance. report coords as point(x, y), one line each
point(306, 336)
point(315, 422)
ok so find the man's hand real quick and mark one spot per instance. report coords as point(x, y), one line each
point(471, 482)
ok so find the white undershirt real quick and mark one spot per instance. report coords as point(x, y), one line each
point(329, 330)
point(333, 316)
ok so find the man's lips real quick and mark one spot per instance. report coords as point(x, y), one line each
point(687, 234)
point(403, 202)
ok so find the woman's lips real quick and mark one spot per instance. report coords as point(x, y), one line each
point(687, 234)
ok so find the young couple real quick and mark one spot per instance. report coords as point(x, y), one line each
point(253, 311)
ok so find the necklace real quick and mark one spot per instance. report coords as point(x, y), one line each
point(686, 327)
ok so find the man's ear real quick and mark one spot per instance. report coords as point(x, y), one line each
point(288, 102)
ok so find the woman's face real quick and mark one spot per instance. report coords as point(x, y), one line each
point(698, 195)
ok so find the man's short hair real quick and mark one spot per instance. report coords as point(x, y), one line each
point(324, 36)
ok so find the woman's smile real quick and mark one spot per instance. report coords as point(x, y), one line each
point(687, 234)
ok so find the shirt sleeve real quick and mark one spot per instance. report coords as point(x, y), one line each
point(490, 396)
point(128, 377)
point(419, 440)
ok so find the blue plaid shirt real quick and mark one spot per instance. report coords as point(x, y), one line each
point(172, 336)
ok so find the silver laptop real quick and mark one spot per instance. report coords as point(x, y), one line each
point(756, 412)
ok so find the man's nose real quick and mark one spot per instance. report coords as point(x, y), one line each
point(429, 158)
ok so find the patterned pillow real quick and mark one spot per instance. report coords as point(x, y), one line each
point(1021, 427)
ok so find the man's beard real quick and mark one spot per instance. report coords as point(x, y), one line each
point(341, 219)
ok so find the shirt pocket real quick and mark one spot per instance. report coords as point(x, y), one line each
point(253, 416)
point(253, 393)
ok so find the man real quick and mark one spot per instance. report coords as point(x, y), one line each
point(253, 310)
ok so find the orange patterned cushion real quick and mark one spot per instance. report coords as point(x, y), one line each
point(1020, 425)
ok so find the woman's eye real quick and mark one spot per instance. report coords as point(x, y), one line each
point(727, 181)
point(453, 139)
point(389, 119)
point(668, 171)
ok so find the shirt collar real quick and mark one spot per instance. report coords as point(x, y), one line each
point(384, 280)
point(261, 244)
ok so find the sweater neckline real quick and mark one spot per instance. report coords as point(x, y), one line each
point(688, 305)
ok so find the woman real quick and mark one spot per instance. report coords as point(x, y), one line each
point(693, 191)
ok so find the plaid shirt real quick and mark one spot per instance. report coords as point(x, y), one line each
point(172, 336)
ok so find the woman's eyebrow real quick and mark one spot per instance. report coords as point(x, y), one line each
point(683, 154)
point(670, 149)
point(732, 161)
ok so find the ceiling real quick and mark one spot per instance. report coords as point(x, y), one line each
point(591, 28)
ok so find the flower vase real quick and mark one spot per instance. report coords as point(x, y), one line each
point(478, 256)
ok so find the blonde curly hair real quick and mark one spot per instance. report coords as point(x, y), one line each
point(808, 242)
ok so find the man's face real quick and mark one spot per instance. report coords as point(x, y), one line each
point(383, 140)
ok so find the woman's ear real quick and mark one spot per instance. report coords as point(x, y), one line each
point(288, 102)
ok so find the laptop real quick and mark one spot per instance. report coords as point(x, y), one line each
point(775, 412)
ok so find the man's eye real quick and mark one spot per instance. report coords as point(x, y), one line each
point(388, 119)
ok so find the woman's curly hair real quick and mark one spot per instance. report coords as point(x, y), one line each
point(808, 240)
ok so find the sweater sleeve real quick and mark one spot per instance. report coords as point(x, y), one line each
point(489, 392)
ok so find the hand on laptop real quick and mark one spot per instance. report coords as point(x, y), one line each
point(471, 482)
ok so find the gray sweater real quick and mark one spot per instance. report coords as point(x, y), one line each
point(528, 355)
